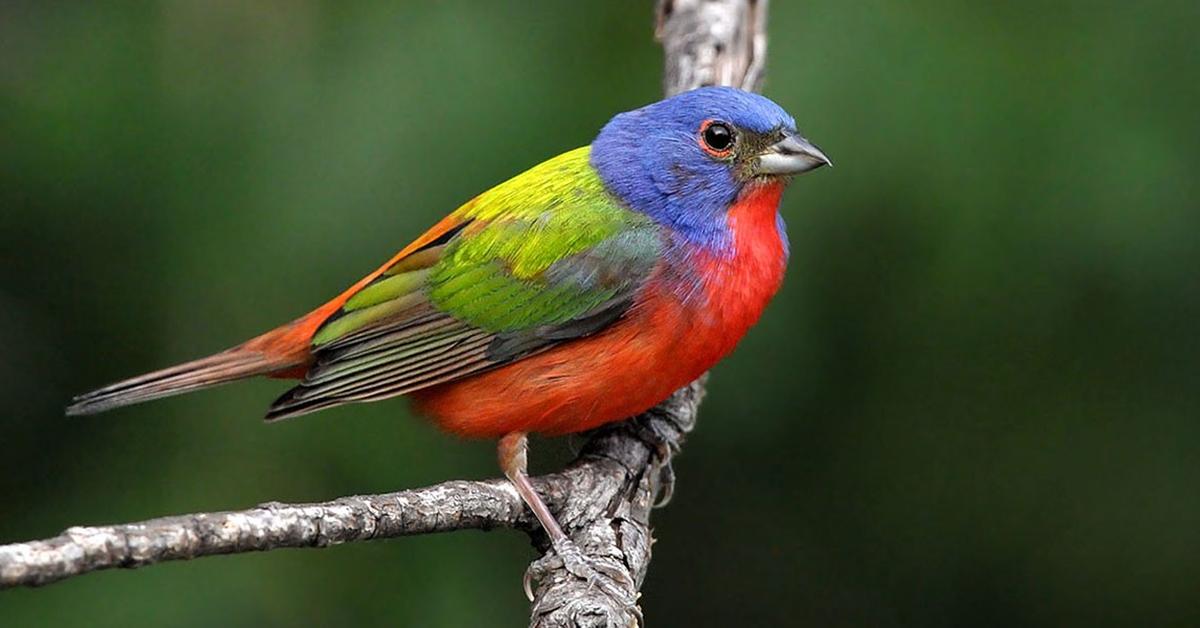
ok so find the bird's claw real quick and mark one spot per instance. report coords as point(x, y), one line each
point(666, 445)
point(527, 582)
point(598, 575)
point(666, 484)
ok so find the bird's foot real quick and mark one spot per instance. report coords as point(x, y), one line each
point(567, 556)
point(665, 443)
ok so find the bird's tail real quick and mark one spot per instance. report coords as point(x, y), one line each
point(282, 352)
point(260, 356)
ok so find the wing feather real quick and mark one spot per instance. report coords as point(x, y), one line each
point(544, 258)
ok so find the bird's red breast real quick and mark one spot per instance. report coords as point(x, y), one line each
point(664, 342)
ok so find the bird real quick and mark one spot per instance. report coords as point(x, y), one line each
point(583, 291)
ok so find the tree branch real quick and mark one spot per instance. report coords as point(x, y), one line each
point(449, 506)
point(712, 42)
point(602, 499)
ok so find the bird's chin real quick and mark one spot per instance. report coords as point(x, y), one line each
point(769, 180)
point(762, 184)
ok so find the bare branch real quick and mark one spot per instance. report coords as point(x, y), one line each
point(603, 499)
point(712, 42)
point(450, 506)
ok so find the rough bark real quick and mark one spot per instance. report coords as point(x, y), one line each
point(712, 42)
point(603, 499)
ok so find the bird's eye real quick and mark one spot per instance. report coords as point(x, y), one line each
point(717, 138)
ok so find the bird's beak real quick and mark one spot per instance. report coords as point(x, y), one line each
point(791, 155)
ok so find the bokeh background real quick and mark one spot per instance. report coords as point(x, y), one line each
point(975, 403)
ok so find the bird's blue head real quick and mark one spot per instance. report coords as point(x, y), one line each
point(685, 160)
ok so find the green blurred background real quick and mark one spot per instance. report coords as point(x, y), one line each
point(976, 401)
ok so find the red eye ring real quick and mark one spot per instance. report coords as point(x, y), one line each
point(717, 138)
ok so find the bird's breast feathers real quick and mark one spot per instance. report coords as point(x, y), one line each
point(732, 286)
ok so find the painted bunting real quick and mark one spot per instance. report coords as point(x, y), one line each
point(581, 292)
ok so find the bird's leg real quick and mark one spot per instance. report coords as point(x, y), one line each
point(514, 461)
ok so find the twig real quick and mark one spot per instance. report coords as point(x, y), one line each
point(79, 550)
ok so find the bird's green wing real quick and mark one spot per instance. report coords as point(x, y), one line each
point(543, 258)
